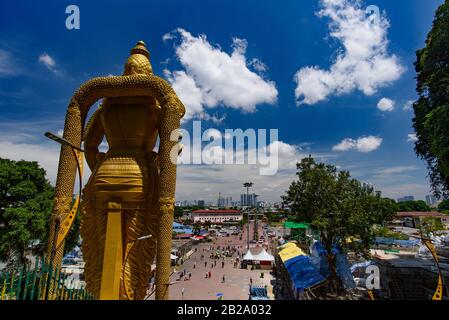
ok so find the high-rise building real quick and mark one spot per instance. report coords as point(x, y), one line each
point(224, 201)
point(406, 198)
point(201, 204)
point(248, 200)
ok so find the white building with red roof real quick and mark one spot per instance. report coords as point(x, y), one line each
point(216, 216)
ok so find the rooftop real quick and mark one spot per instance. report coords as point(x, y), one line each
point(422, 214)
point(216, 211)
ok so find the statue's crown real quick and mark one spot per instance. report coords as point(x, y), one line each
point(140, 48)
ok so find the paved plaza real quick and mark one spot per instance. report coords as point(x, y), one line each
point(237, 281)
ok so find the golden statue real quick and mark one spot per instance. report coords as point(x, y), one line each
point(130, 193)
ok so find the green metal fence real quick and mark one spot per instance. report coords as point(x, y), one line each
point(43, 282)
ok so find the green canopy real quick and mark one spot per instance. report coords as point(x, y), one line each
point(296, 225)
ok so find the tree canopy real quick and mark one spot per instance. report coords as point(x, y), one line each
point(431, 121)
point(25, 207)
point(26, 201)
point(338, 206)
point(408, 206)
point(443, 206)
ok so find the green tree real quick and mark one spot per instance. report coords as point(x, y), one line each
point(179, 211)
point(26, 199)
point(408, 206)
point(443, 206)
point(431, 120)
point(431, 225)
point(339, 207)
point(272, 216)
point(196, 228)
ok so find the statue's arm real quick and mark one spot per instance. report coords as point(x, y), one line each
point(93, 138)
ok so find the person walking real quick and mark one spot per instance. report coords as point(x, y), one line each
point(182, 294)
point(207, 274)
point(194, 265)
point(205, 264)
point(222, 264)
point(223, 279)
point(210, 274)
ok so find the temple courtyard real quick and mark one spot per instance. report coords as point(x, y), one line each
point(236, 280)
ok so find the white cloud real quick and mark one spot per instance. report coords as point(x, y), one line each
point(7, 64)
point(363, 62)
point(214, 78)
point(188, 91)
point(385, 104)
point(48, 61)
point(345, 145)
point(362, 144)
point(396, 190)
point(192, 180)
point(26, 141)
point(387, 172)
point(258, 65)
point(215, 119)
point(45, 154)
point(167, 36)
point(411, 137)
point(408, 105)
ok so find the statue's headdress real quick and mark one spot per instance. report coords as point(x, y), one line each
point(139, 61)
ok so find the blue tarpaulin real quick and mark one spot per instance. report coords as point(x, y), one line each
point(258, 293)
point(179, 228)
point(318, 258)
point(362, 265)
point(344, 271)
point(302, 272)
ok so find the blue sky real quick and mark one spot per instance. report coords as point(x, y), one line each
point(262, 45)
